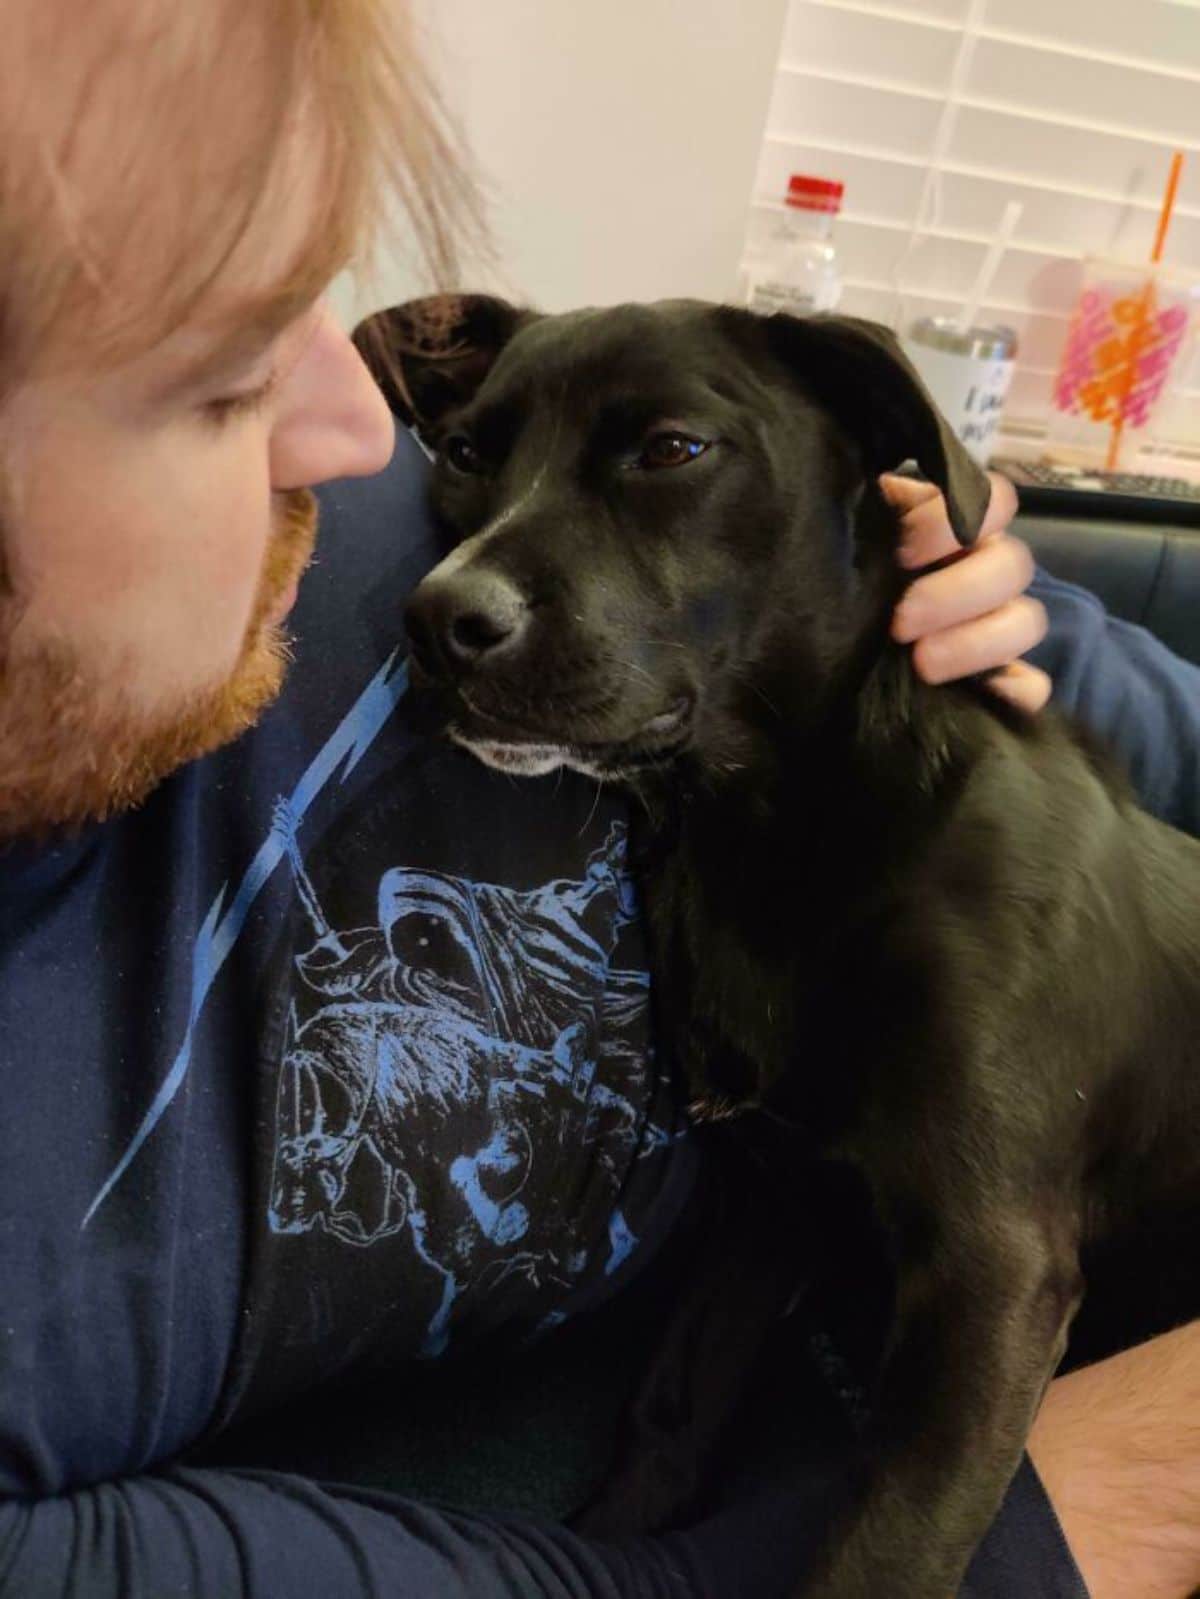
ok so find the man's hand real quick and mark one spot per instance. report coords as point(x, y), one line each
point(1117, 1446)
point(972, 615)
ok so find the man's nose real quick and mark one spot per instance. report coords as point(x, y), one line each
point(466, 620)
point(333, 421)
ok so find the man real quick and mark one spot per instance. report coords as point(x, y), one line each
point(324, 1050)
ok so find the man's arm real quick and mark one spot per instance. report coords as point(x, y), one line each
point(208, 1534)
point(1117, 1446)
point(977, 610)
point(1126, 686)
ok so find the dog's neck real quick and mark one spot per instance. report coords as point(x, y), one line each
point(810, 833)
point(877, 760)
point(806, 800)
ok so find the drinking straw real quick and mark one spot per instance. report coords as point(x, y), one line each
point(1168, 205)
point(1136, 336)
point(983, 281)
point(929, 205)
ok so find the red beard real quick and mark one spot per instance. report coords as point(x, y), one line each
point(73, 751)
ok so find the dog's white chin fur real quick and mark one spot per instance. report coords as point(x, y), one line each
point(524, 760)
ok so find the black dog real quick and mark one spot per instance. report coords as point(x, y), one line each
point(674, 569)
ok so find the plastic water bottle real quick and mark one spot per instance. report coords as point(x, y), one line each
point(798, 269)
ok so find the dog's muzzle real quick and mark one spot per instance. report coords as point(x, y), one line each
point(466, 620)
point(469, 628)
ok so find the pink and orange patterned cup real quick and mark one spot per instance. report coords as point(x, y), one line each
point(1130, 327)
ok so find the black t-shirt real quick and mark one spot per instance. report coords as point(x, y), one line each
point(331, 1058)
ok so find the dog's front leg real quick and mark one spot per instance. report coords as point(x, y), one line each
point(981, 1324)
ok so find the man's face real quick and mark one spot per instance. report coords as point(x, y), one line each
point(155, 524)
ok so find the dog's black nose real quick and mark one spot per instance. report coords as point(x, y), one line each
point(467, 617)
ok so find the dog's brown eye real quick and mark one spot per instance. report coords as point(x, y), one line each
point(461, 454)
point(670, 449)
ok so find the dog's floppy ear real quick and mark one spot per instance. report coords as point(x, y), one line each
point(429, 356)
point(858, 371)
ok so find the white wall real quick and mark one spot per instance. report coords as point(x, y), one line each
point(617, 139)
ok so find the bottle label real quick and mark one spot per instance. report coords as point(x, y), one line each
point(970, 392)
point(770, 294)
point(767, 296)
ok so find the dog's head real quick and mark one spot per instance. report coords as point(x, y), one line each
point(660, 514)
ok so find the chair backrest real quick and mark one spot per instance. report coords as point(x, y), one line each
point(1143, 572)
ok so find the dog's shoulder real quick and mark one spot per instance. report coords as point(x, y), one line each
point(935, 733)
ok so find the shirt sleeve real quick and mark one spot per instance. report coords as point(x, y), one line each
point(1125, 686)
point(195, 1534)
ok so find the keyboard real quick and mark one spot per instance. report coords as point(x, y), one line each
point(1127, 496)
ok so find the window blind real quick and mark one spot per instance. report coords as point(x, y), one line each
point(1070, 106)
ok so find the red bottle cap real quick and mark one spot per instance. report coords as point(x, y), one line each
point(814, 194)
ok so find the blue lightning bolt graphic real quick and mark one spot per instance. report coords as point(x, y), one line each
point(348, 743)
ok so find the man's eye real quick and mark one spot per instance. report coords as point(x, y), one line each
point(669, 449)
point(229, 406)
point(460, 454)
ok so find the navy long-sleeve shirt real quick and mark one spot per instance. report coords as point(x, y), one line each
point(331, 1059)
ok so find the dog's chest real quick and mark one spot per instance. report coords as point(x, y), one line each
point(752, 1002)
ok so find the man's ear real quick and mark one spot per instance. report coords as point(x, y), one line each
point(430, 356)
point(859, 373)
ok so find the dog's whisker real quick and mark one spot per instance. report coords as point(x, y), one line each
point(658, 643)
point(743, 672)
point(771, 706)
point(631, 669)
point(591, 815)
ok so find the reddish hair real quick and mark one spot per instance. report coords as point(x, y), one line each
point(140, 147)
point(143, 143)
